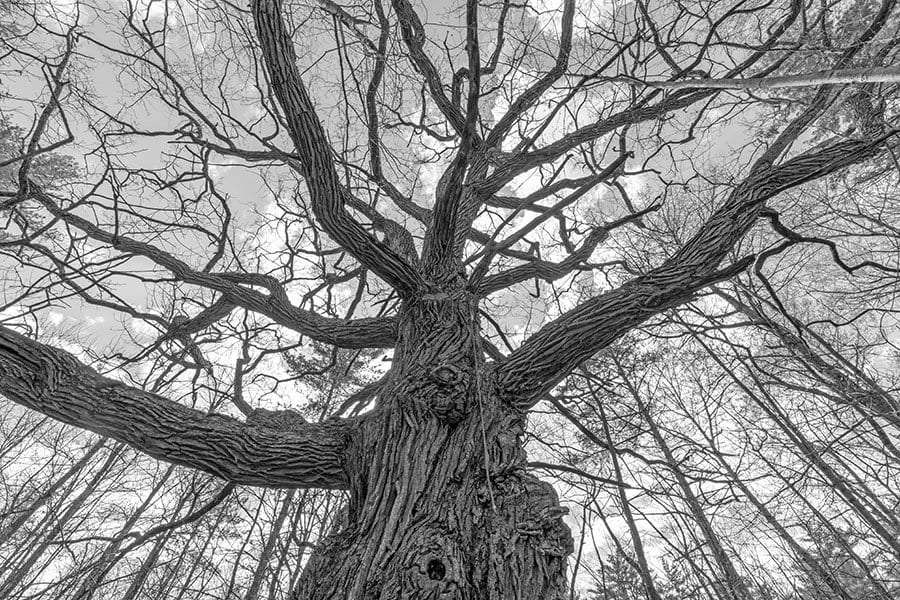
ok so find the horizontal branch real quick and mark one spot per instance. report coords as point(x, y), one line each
point(53, 382)
point(841, 76)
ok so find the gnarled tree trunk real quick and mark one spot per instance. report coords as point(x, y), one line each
point(440, 503)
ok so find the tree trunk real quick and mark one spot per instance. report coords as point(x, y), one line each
point(441, 505)
point(266, 554)
point(91, 582)
point(58, 528)
point(22, 518)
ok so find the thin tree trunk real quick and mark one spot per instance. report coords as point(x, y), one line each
point(240, 555)
point(837, 482)
point(266, 554)
point(825, 521)
point(14, 578)
point(196, 564)
point(149, 562)
point(91, 582)
point(27, 513)
point(859, 391)
point(808, 560)
point(636, 542)
point(733, 581)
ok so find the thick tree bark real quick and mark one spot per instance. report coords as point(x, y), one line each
point(441, 505)
point(560, 345)
point(53, 382)
point(440, 502)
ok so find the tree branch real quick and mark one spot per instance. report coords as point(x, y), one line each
point(840, 76)
point(356, 333)
point(552, 352)
point(527, 99)
point(551, 271)
point(327, 194)
point(55, 383)
point(414, 37)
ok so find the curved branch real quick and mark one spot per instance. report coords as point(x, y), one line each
point(553, 351)
point(527, 99)
point(356, 333)
point(521, 162)
point(55, 383)
point(551, 271)
point(328, 196)
point(414, 37)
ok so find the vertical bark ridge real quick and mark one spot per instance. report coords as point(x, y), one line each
point(441, 505)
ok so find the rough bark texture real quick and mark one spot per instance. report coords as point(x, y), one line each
point(441, 505)
point(53, 382)
point(440, 502)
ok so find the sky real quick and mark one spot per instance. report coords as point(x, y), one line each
point(197, 46)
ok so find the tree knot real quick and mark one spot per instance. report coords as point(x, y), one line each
point(447, 374)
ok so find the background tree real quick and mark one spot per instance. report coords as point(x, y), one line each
point(380, 248)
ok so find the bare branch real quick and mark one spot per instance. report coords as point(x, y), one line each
point(55, 383)
point(546, 357)
point(533, 93)
point(551, 271)
point(356, 333)
point(839, 76)
point(328, 195)
point(414, 37)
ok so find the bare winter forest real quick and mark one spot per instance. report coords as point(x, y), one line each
point(470, 300)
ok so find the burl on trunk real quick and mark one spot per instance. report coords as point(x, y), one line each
point(441, 505)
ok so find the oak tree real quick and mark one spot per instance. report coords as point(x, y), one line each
point(424, 166)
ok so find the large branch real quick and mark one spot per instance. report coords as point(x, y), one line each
point(414, 37)
point(521, 162)
point(531, 95)
point(327, 194)
point(55, 383)
point(454, 210)
point(553, 351)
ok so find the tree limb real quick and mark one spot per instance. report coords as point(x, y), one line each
point(55, 383)
point(327, 194)
point(527, 99)
point(355, 333)
point(840, 76)
point(414, 37)
point(551, 271)
point(548, 355)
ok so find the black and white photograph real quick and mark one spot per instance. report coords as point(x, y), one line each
point(449, 299)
